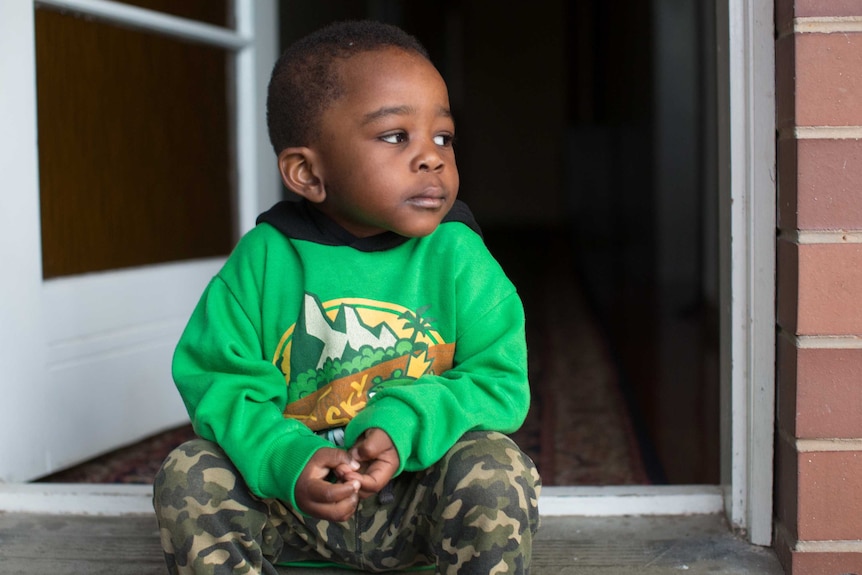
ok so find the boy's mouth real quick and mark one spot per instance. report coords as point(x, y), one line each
point(432, 199)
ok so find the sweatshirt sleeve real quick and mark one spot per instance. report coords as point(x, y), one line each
point(236, 397)
point(486, 389)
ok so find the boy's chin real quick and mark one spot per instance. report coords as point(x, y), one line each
point(420, 224)
point(417, 231)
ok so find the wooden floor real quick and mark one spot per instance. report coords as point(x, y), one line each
point(128, 545)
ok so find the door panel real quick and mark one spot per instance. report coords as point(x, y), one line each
point(110, 338)
point(135, 164)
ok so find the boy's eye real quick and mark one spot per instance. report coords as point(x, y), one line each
point(443, 139)
point(396, 138)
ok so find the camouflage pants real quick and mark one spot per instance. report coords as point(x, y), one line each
point(475, 511)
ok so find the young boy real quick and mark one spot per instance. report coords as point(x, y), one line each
point(352, 369)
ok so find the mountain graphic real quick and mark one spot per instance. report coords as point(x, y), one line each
point(336, 363)
point(342, 338)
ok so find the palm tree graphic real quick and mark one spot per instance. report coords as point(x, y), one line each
point(418, 322)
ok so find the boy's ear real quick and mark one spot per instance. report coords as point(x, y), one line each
point(298, 168)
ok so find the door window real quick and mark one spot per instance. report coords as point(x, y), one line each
point(135, 158)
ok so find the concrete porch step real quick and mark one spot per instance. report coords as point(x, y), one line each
point(128, 545)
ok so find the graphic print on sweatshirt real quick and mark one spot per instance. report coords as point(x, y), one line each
point(341, 352)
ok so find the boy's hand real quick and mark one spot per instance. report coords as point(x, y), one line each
point(378, 458)
point(318, 496)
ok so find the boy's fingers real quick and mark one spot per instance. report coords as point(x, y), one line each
point(350, 476)
point(375, 478)
point(345, 471)
point(326, 461)
point(333, 501)
point(373, 443)
point(334, 458)
point(324, 492)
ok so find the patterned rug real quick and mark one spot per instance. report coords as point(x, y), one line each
point(137, 463)
point(578, 430)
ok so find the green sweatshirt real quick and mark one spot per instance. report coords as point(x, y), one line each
point(307, 329)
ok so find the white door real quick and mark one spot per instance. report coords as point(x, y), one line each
point(85, 358)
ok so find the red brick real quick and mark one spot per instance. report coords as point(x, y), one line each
point(815, 8)
point(787, 486)
point(830, 289)
point(828, 83)
point(787, 277)
point(784, 553)
point(787, 10)
point(830, 496)
point(814, 563)
point(825, 564)
point(787, 184)
point(829, 393)
point(785, 82)
point(786, 380)
point(829, 173)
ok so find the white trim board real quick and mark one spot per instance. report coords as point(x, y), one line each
point(747, 259)
point(614, 501)
point(120, 499)
point(152, 21)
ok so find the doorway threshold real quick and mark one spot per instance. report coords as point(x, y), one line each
point(110, 499)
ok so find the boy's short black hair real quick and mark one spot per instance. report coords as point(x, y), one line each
point(305, 80)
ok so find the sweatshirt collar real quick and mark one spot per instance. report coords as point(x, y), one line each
point(302, 221)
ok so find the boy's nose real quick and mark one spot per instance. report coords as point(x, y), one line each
point(428, 159)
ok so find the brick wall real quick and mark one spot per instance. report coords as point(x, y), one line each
point(818, 491)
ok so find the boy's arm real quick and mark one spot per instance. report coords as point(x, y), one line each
point(236, 397)
point(487, 389)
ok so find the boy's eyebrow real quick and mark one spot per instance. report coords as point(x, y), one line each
point(398, 111)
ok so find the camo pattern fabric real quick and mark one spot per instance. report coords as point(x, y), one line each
point(475, 511)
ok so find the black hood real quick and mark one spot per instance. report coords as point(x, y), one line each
point(300, 220)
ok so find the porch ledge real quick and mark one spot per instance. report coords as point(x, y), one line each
point(122, 499)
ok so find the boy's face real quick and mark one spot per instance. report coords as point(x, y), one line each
point(385, 154)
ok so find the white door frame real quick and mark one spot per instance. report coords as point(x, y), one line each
point(86, 358)
point(747, 184)
point(747, 187)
